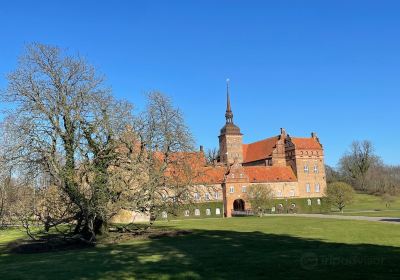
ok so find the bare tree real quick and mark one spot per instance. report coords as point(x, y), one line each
point(66, 124)
point(212, 156)
point(356, 164)
point(165, 154)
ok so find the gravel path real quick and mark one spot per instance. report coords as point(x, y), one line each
point(340, 217)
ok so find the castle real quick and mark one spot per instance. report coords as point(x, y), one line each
point(293, 167)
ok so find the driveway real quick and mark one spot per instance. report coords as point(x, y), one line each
point(340, 217)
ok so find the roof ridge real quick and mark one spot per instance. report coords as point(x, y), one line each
point(269, 138)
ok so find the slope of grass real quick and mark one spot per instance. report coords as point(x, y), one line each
point(364, 202)
point(242, 248)
point(370, 206)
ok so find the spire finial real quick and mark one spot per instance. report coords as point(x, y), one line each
point(228, 114)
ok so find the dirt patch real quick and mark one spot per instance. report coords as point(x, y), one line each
point(114, 238)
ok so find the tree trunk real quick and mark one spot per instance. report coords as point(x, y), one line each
point(100, 227)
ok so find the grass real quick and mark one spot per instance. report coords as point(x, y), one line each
point(370, 206)
point(241, 248)
point(364, 202)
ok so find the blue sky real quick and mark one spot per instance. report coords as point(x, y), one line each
point(327, 66)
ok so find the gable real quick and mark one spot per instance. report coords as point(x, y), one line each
point(306, 143)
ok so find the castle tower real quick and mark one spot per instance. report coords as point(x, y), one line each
point(230, 139)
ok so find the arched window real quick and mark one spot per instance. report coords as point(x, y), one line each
point(187, 213)
point(309, 202)
point(319, 201)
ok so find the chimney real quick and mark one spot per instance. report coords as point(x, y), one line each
point(283, 133)
point(313, 135)
point(201, 148)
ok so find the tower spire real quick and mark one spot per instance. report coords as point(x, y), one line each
point(229, 113)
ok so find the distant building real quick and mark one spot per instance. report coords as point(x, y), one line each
point(292, 167)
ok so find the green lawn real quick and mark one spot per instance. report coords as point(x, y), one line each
point(371, 206)
point(371, 202)
point(241, 248)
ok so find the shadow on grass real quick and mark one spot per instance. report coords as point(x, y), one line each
point(211, 255)
point(393, 220)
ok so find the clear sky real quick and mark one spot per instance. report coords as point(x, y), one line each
point(327, 66)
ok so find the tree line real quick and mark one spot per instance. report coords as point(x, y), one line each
point(361, 169)
point(365, 171)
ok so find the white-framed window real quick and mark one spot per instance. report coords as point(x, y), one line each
point(306, 168)
point(232, 189)
point(217, 211)
point(208, 212)
point(216, 195)
point(244, 189)
point(309, 202)
point(164, 215)
point(291, 193)
point(273, 209)
point(196, 196)
point(187, 213)
point(317, 188)
point(315, 168)
point(197, 212)
point(319, 201)
point(207, 196)
point(308, 188)
point(279, 193)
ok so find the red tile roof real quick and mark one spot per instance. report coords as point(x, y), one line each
point(210, 175)
point(306, 143)
point(259, 150)
point(256, 174)
point(265, 174)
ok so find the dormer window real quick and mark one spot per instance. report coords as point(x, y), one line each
point(306, 170)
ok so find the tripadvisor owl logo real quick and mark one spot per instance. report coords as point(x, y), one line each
point(309, 261)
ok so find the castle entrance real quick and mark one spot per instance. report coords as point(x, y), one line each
point(239, 205)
